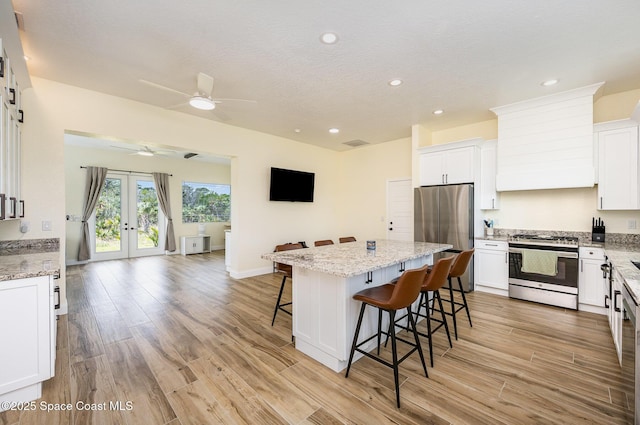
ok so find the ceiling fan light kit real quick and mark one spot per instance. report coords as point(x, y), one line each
point(201, 102)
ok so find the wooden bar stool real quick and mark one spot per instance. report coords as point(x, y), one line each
point(323, 242)
point(391, 298)
point(287, 271)
point(458, 268)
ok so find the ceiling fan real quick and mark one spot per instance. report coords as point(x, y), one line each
point(201, 99)
point(145, 151)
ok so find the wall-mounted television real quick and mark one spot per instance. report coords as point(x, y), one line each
point(291, 185)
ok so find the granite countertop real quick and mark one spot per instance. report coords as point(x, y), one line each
point(31, 258)
point(621, 260)
point(353, 259)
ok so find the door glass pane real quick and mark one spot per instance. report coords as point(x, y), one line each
point(108, 216)
point(147, 214)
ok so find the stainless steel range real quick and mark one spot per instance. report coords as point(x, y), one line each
point(544, 269)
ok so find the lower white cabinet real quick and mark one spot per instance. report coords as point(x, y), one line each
point(615, 313)
point(491, 266)
point(195, 244)
point(28, 336)
point(591, 282)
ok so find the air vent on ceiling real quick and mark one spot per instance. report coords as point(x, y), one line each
point(189, 155)
point(354, 143)
point(19, 20)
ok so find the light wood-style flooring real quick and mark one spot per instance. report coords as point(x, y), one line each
point(180, 342)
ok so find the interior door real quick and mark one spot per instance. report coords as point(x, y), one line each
point(400, 210)
point(128, 221)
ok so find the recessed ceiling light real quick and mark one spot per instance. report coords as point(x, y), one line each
point(438, 112)
point(334, 130)
point(27, 58)
point(549, 83)
point(395, 82)
point(329, 38)
point(297, 130)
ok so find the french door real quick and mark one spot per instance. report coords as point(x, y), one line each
point(128, 221)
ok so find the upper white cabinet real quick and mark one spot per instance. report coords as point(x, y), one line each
point(11, 203)
point(618, 166)
point(448, 166)
point(489, 199)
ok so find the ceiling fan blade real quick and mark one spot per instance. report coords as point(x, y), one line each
point(205, 84)
point(220, 100)
point(161, 87)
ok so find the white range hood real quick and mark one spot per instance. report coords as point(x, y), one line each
point(547, 142)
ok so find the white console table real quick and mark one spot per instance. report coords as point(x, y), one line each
point(195, 244)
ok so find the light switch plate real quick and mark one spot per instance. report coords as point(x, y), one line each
point(631, 224)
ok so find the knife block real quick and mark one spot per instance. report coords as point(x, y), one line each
point(597, 234)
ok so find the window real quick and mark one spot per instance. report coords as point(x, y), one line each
point(205, 202)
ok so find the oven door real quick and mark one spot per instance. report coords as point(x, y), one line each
point(565, 281)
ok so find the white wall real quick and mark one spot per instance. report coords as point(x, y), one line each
point(363, 185)
point(181, 169)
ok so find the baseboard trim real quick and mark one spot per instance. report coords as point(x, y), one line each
point(249, 273)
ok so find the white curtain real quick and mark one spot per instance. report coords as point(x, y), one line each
point(162, 188)
point(95, 181)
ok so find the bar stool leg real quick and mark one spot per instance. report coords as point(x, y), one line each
point(379, 327)
point(415, 336)
point(392, 318)
point(275, 310)
point(444, 317)
point(453, 309)
point(355, 339)
point(464, 300)
point(429, 330)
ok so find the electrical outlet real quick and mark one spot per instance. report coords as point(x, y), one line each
point(631, 224)
point(46, 225)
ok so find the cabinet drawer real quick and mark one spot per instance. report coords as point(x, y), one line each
point(592, 253)
point(491, 245)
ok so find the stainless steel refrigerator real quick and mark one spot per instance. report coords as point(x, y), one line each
point(444, 214)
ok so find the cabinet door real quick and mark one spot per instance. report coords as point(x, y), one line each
point(432, 168)
point(488, 170)
point(618, 169)
point(590, 283)
point(617, 315)
point(459, 165)
point(26, 313)
point(492, 269)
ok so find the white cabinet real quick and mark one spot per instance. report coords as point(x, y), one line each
point(615, 313)
point(591, 282)
point(488, 161)
point(11, 203)
point(28, 337)
point(618, 169)
point(491, 266)
point(195, 244)
point(448, 166)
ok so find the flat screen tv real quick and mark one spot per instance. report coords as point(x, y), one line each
point(291, 185)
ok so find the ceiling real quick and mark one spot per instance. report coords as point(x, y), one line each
point(463, 57)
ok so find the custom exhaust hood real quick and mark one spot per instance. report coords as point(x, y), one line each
point(547, 142)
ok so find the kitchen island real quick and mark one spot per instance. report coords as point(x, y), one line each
point(325, 279)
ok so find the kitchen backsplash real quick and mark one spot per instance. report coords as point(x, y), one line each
point(583, 237)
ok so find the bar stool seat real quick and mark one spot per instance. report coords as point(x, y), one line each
point(391, 298)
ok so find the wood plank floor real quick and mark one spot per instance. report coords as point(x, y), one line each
point(175, 341)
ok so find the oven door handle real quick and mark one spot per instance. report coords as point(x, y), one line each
point(572, 255)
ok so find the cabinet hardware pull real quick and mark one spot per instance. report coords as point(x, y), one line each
point(56, 292)
point(581, 266)
point(1, 66)
point(493, 203)
point(506, 258)
point(3, 204)
point(14, 207)
point(12, 92)
point(369, 278)
point(601, 202)
point(402, 267)
point(21, 115)
point(606, 298)
point(615, 300)
point(491, 244)
point(21, 208)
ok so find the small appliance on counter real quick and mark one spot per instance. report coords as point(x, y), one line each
point(597, 230)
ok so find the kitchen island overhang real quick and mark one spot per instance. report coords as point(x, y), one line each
point(325, 279)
